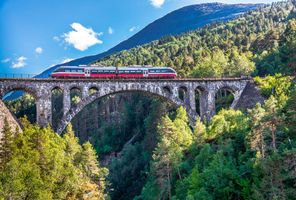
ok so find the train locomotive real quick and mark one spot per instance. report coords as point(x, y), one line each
point(113, 72)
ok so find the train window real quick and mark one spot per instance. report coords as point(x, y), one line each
point(157, 71)
point(80, 70)
point(67, 70)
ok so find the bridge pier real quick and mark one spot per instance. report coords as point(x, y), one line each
point(66, 101)
point(208, 102)
point(43, 111)
point(84, 92)
point(191, 100)
point(237, 96)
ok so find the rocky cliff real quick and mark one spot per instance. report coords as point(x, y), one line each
point(5, 113)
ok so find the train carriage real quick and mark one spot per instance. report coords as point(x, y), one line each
point(112, 72)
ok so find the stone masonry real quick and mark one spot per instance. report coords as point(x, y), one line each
point(169, 89)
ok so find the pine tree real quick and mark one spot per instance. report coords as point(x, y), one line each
point(290, 109)
point(162, 166)
point(6, 144)
point(90, 164)
point(183, 136)
point(93, 183)
point(199, 131)
point(256, 137)
point(71, 142)
point(289, 46)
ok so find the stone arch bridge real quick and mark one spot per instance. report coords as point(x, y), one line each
point(169, 89)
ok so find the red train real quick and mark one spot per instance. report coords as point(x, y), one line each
point(111, 72)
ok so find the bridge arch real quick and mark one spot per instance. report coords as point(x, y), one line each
point(103, 93)
point(200, 97)
point(24, 88)
point(207, 88)
point(167, 90)
point(57, 105)
point(183, 93)
point(27, 99)
point(92, 90)
point(230, 92)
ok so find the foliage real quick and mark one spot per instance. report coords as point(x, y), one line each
point(44, 165)
point(175, 137)
point(6, 144)
point(24, 106)
point(277, 86)
point(259, 42)
point(236, 156)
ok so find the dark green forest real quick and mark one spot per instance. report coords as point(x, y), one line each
point(145, 146)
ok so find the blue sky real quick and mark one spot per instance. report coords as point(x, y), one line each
point(35, 34)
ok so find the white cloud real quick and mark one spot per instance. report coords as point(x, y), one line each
point(132, 28)
point(20, 62)
point(6, 60)
point(110, 30)
point(67, 60)
point(157, 3)
point(39, 50)
point(81, 37)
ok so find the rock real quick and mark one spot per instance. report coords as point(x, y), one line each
point(250, 97)
point(5, 113)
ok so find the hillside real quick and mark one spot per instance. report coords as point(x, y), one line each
point(242, 46)
point(147, 145)
point(176, 22)
point(5, 113)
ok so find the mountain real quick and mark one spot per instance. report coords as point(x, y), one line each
point(179, 21)
point(247, 45)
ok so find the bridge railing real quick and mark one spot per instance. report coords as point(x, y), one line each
point(37, 76)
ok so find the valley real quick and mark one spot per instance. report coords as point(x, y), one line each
point(134, 145)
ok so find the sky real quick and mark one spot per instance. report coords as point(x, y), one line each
point(37, 34)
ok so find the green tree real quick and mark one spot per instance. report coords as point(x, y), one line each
point(290, 112)
point(5, 144)
point(289, 46)
point(43, 167)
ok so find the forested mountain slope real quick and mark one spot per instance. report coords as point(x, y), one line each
point(238, 47)
point(176, 22)
point(154, 154)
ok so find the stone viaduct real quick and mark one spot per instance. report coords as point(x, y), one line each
point(169, 89)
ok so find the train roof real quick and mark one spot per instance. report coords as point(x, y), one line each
point(132, 67)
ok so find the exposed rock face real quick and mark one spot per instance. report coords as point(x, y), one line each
point(5, 113)
point(250, 97)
